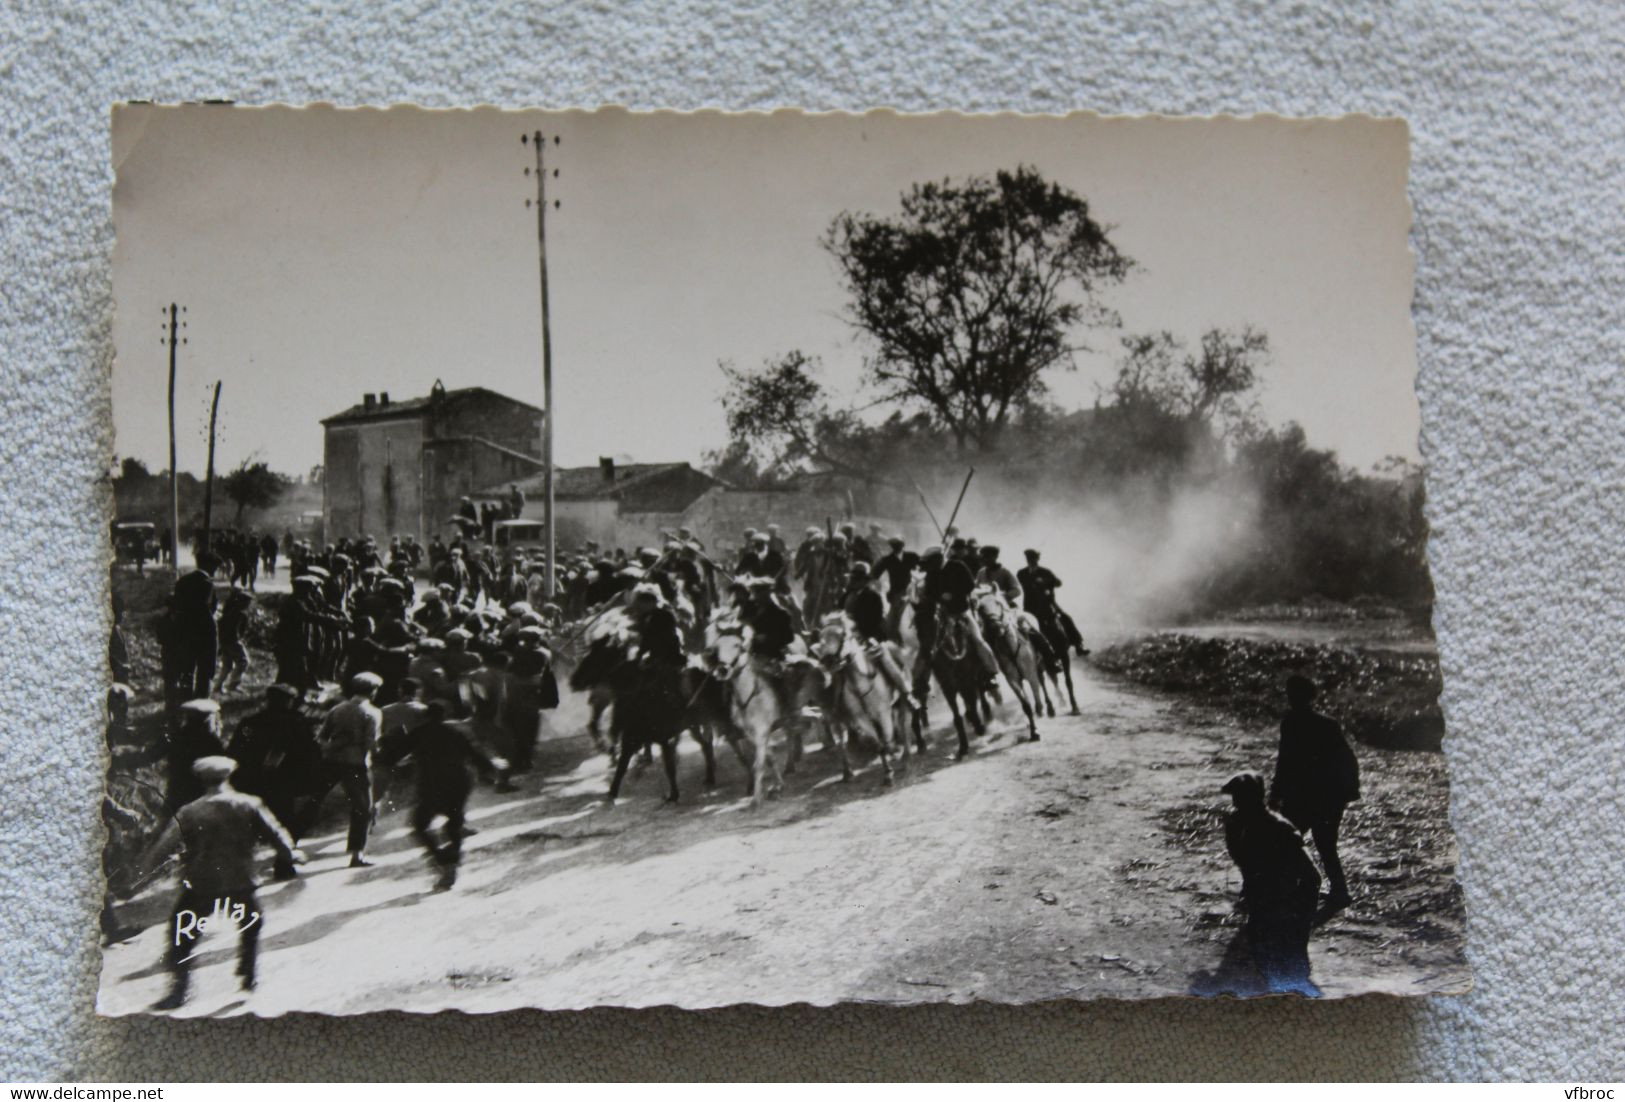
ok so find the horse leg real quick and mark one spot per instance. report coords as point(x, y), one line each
point(1021, 691)
point(743, 751)
point(708, 746)
point(886, 731)
point(595, 720)
point(1066, 668)
point(1035, 678)
point(621, 762)
point(758, 774)
point(886, 776)
point(899, 724)
point(959, 726)
point(793, 744)
point(977, 707)
point(668, 759)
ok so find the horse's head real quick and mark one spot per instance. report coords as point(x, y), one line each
point(990, 603)
point(604, 655)
point(832, 637)
point(724, 638)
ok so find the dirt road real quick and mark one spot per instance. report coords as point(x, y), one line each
point(1084, 865)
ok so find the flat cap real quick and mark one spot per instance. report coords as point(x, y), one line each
point(215, 767)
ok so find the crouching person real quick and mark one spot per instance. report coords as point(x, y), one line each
point(1279, 886)
point(445, 757)
point(217, 834)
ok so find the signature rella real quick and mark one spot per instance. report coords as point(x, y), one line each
point(226, 917)
point(709, 559)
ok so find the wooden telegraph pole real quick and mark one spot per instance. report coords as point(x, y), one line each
point(208, 474)
point(535, 139)
point(174, 341)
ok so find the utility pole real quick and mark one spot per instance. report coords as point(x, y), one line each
point(174, 340)
point(208, 474)
point(535, 139)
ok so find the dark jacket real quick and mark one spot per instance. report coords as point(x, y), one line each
point(1316, 774)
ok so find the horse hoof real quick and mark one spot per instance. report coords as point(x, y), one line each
point(886, 781)
point(1034, 737)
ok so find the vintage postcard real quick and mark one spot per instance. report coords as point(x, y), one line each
point(596, 558)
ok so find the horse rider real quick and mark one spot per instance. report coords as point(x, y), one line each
point(866, 610)
point(995, 574)
point(772, 634)
point(954, 585)
point(1038, 586)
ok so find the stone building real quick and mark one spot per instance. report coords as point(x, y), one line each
point(401, 468)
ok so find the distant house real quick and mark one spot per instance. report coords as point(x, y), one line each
point(615, 505)
point(400, 468)
point(632, 505)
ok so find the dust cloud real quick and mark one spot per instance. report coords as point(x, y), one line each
point(1135, 554)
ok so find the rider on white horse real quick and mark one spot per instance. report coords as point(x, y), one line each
point(866, 610)
point(996, 574)
point(772, 634)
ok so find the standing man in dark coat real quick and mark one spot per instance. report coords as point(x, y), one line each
point(278, 760)
point(891, 567)
point(531, 689)
point(752, 562)
point(191, 644)
point(1316, 777)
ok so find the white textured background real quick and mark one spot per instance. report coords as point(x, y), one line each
point(1519, 130)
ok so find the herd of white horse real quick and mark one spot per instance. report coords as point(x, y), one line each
point(830, 682)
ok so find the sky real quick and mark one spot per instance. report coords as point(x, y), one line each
point(323, 253)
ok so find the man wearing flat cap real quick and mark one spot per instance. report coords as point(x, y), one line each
point(217, 834)
point(348, 737)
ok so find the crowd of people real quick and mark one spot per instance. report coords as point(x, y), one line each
point(446, 658)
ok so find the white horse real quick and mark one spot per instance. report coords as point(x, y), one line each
point(1007, 637)
point(860, 700)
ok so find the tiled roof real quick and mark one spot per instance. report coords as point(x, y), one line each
point(411, 406)
point(657, 487)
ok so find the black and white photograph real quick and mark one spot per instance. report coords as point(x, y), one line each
point(608, 558)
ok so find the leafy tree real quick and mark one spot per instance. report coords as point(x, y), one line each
point(973, 292)
point(779, 415)
point(1213, 386)
point(736, 465)
point(253, 486)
